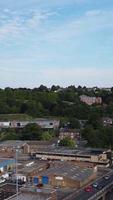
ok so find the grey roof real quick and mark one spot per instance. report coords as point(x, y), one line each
point(27, 196)
point(75, 152)
point(35, 166)
point(70, 171)
point(12, 143)
point(31, 194)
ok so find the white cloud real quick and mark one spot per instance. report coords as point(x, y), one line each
point(37, 18)
point(92, 13)
point(92, 20)
point(11, 29)
point(14, 25)
point(21, 25)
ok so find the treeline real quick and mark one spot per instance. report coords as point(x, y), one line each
point(55, 101)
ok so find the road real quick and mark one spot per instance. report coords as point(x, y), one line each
point(109, 196)
point(86, 195)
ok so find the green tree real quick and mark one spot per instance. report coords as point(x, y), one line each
point(46, 135)
point(8, 134)
point(67, 142)
point(31, 132)
point(54, 88)
point(43, 88)
point(74, 123)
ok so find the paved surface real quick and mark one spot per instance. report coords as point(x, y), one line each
point(7, 190)
point(109, 196)
point(86, 195)
point(63, 192)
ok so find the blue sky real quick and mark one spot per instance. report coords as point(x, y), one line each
point(61, 42)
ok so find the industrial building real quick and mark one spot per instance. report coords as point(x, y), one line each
point(24, 147)
point(100, 158)
point(49, 150)
point(68, 175)
point(31, 168)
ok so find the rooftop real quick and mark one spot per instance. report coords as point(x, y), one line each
point(28, 167)
point(5, 162)
point(75, 152)
point(12, 143)
point(70, 171)
point(34, 194)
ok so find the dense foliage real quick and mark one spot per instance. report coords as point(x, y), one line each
point(67, 142)
point(29, 132)
point(54, 101)
point(64, 104)
point(101, 137)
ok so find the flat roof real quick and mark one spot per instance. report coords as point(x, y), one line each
point(16, 143)
point(68, 170)
point(24, 196)
point(24, 169)
point(66, 151)
point(12, 143)
point(29, 194)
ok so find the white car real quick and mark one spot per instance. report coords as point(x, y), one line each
point(2, 180)
point(95, 185)
point(106, 177)
point(5, 176)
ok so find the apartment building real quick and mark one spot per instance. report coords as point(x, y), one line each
point(90, 100)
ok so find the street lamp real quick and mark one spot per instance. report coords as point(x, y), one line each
point(16, 172)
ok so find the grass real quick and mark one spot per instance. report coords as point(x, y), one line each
point(8, 117)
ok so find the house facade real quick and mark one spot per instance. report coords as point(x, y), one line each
point(90, 100)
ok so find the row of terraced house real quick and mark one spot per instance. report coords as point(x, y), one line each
point(43, 123)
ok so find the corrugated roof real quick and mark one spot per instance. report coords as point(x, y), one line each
point(70, 171)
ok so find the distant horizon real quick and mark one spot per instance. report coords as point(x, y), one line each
point(62, 87)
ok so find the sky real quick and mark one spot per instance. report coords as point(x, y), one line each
point(56, 42)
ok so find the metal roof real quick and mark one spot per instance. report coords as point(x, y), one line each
point(71, 171)
point(4, 163)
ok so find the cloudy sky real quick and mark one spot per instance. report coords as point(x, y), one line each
point(61, 42)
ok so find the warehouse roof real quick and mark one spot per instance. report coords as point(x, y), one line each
point(29, 167)
point(12, 143)
point(75, 152)
point(70, 171)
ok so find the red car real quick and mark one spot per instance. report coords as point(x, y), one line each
point(88, 189)
point(40, 185)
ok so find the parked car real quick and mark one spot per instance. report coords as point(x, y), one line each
point(2, 180)
point(88, 189)
point(5, 176)
point(99, 187)
point(56, 187)
point(106, 177)
point(40, 185)
point(21, 178)
point(95, 185)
